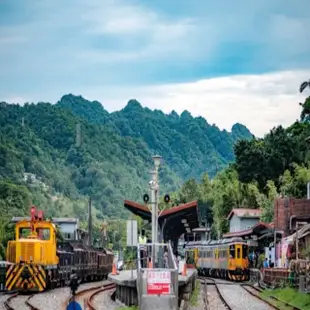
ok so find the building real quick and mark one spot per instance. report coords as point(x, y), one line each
point(67, 226)
point(291, 213)
point(243, 219)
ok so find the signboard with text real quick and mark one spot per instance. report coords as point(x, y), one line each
point(158, 282)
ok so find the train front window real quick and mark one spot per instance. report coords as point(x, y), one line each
point(24, 232)
point(232, 251)
point(44, 233)
point(238, 252)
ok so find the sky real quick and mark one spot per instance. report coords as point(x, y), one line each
point(228, 61)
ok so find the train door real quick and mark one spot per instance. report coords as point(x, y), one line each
point(238, 255)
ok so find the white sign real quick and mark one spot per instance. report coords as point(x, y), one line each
point(158, 282)
point(132, 233)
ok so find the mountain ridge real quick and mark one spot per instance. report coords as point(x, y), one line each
point(113, 159)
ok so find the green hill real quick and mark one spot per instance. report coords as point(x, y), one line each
point(40, 160)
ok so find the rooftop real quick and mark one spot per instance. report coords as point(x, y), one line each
point(56, 220)
point(243, 212)
point(254, 230)
point(170, 219)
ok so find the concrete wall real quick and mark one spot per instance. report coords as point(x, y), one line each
point(237, 224)
point(247, 223)
point(234, 224)
point(68, 228)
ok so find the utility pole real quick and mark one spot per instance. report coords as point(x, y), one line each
point(89, 222)
point(156, 159)
point(78, 135)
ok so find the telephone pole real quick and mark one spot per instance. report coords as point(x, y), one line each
point(89, 222)
point(78, 135)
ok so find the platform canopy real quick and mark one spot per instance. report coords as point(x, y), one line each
point(172, 222)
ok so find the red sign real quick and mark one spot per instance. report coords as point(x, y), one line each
point(158, 282)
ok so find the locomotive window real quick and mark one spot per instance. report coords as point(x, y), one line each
point(232, 251)
point(24, 232)
point(238, 253)
point(44, 233)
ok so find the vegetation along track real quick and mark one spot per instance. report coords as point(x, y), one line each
point(255, 292)
point(97, 289)
point(8, 306)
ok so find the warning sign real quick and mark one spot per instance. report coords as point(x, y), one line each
point(158, 282)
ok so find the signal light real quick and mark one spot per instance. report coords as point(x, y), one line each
point(146, 198)
point(167, 198)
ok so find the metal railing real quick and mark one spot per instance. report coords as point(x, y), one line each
point(157, 274)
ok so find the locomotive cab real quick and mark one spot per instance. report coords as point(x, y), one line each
point(32, 253)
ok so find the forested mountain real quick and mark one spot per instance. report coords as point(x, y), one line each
point(41, 160)
point(190, 146)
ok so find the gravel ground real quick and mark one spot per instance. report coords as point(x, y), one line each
point(19, 303)
point(213, 299)
point(240, 299)
point(3, 298)
point(103, 301)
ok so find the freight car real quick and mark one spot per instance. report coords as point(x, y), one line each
point(39, 262)
point(226, 258)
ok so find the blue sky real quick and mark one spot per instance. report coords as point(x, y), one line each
point(208, 57)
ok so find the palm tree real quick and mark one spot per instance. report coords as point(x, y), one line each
point(304, 85)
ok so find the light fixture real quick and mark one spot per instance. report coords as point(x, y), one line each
point(188, 230)
point(183, 221)
point(185, 225)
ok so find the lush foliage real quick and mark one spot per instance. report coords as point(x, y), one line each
point(277, 165)
point(47, 161)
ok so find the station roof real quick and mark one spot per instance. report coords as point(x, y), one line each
point(257, 229)
point(170, 219)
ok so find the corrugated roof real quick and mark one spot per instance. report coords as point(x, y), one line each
point(244, 212)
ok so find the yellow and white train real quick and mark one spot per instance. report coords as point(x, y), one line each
point(226, 258)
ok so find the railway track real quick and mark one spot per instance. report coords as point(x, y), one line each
point(92, 296)
point(254, 291)
point(96, 290)
point(8, 305)
point(226, 305)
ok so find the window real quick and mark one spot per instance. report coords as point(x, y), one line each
point(44, 233)
point(232, 251)
point(238, 252)
point(24, 232)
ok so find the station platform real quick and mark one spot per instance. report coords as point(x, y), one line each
point(126, 286)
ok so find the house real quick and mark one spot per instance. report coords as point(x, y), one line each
point(243, 219)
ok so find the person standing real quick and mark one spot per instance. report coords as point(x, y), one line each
point(142, 243)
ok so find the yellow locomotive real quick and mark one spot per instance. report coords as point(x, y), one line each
point(38, 262)
point(33, 254)
point(226, 258)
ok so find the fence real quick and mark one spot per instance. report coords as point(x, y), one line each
point(281, 277)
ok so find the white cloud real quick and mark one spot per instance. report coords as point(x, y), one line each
point(139, 31)
point(258, 101)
